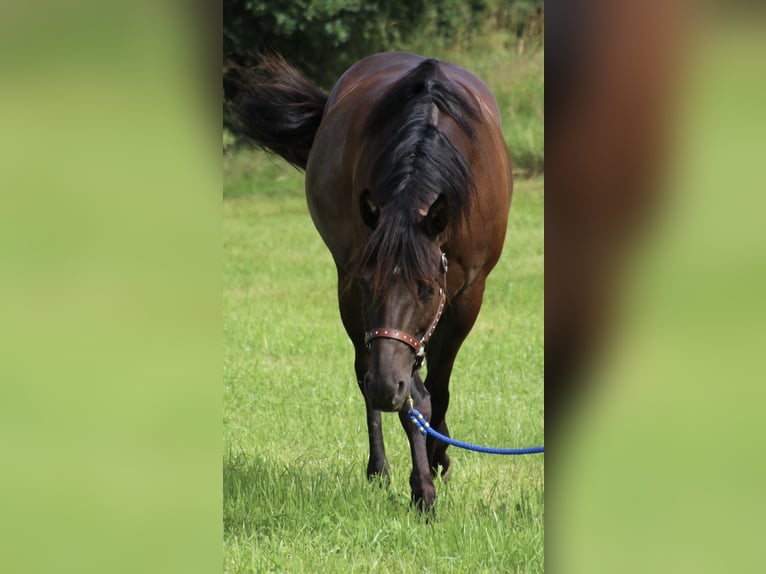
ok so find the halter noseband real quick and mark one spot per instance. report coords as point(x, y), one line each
point(417, 345)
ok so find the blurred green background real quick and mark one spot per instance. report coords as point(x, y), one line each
point(110, 270)
point(660, 464)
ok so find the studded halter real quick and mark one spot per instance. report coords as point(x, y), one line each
point(417, 345)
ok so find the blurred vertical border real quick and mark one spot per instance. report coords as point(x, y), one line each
point(110, 310)
point(655, 313)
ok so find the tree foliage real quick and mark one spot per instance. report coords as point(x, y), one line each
point(324, 37)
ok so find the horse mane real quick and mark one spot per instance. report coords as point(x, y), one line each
point(417, 166)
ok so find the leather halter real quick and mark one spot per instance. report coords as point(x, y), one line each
point(417, 345)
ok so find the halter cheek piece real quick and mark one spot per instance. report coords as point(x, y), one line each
point(417, 345)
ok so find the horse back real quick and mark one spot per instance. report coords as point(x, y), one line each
point(341, 160)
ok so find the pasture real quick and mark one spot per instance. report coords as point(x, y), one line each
point(296, 498)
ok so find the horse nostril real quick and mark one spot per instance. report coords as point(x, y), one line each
point(398, 397)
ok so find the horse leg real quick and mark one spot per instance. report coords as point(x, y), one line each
point(441, 354)
point(349, 303)
point(421, 481)
point(377, 465)
point(437, 453)
point(436, 449)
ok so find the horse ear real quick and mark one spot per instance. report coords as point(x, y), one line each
point(437, 217)
point(369, 209)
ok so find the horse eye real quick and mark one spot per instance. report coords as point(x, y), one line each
point(425, 292)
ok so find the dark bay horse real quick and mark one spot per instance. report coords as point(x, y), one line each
point(408, 181)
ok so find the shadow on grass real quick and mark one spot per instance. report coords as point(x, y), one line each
point(262, 496)
point(298, 516)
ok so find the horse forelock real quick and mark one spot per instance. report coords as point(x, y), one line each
point(398, 250)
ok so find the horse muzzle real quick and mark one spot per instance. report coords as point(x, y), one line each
point(386, 393)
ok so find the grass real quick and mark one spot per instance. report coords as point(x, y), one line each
point(295, 449)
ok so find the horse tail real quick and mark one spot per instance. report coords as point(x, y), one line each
point(277, 108)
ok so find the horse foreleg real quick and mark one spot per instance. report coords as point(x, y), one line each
point(377, 465)
point(437, 452)
point(421, 481)
point(441, 361)
point(350, 314)
point(441, 354)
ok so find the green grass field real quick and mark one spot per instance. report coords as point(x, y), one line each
point(296, 498)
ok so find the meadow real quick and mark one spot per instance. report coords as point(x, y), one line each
point(296, 498)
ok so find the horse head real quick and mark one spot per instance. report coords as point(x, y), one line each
point(402, 283)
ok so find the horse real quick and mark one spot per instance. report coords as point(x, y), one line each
point(409, 183)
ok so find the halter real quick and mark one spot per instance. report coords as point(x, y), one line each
point(417, 345)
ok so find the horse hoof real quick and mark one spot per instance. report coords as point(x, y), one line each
point(444, 463)
point(425, 502)
point(379, 476)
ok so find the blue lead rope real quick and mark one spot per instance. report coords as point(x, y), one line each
point(425, 428)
